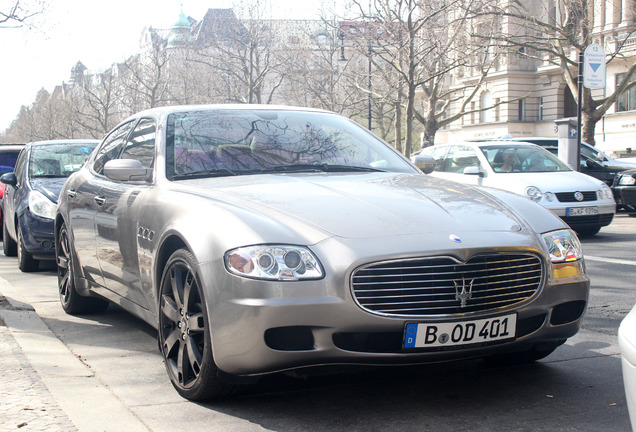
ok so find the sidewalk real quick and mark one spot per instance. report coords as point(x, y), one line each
point(44, 386)
point(25, 402)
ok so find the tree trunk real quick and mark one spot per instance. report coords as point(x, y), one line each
point(398, 126)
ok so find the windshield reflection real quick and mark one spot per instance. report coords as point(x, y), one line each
point(234, 142)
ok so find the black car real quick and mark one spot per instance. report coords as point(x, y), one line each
point(624, 189)
point(589, 166)
point(31, 195)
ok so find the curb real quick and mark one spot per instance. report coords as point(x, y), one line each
point(59, 377)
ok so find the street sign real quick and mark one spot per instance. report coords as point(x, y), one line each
point(594, 69)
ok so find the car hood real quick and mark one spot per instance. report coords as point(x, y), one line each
point(364, 205)
point(49, 186)
point(568, 181)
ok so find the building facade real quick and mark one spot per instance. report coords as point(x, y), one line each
point(538, 90)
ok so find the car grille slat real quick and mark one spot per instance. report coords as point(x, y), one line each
point(569, 196)
point(433, 286)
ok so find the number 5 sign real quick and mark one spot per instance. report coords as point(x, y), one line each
point(594, 69)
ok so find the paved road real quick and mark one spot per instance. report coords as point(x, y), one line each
point(104, 372)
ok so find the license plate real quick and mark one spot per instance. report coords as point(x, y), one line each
point(421, 335)
point(581, 211)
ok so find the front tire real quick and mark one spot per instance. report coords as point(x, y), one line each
point(184, 333)
point(72, 302)
point(26, 262)
point(9, 247)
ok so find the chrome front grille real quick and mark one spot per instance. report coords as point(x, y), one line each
point(446, 286)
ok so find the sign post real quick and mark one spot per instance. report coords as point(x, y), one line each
point(592, 76)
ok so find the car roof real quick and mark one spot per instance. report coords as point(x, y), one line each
point(64, 141)
point(225, 107)
point(11, 147)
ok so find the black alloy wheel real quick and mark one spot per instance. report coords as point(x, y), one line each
point(72, 302)
point(184, 335)
point(26, 262)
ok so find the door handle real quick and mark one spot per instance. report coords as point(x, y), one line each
point(100, 200)
point(71, 193)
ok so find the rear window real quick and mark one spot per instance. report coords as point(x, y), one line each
point(7, 160)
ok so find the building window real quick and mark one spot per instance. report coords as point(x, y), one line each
point(626, 101)
point(522, 110)
point(497, 111)
point(472, 113)
point(540, 108)
point(485, 116)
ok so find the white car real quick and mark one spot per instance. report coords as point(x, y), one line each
point(583, 202)
point(627, 343)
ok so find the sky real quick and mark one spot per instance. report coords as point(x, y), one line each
point(97, 33)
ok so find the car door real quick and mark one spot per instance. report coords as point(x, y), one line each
point(83, 200)
point(116, 221)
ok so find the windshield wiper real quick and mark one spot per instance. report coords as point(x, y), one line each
point(319, 168)
point(205, 174)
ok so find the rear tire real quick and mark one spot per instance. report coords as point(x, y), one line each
point(9, 246)
point(26, 262)
point(72, 302)
point(184, 332)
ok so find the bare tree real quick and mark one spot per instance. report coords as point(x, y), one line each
point(553, 33)
point(18, 12)
point(101, 103)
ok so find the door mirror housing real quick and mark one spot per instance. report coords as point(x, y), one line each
point(9, 179)
point(425, 163)
point(126, 170)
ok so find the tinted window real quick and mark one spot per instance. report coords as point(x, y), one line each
point(8, 159)
point(218, 142)
point(141, 143)
point(112, 146)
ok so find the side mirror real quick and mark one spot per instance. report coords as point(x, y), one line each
point(126, 170)
point(473, 170)
point(9, 179)
point(425, 163)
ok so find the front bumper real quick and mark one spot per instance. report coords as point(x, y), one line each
point(38, 236)
point(259, 328)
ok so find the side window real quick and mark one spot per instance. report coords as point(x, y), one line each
point(20, 164)
point(437, 153)
point(111, 147)
point(459, 158)
point(141, 143)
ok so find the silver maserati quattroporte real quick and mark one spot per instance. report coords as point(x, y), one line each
point(260, 239)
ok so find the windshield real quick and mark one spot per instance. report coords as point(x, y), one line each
point(7, 160)
point(507, 159)
point(210, 143)
point(58, 160)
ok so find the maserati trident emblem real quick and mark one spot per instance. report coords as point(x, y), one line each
point(463, 293)
point(578, 196)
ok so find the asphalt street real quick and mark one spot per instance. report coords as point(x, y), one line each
point(104, 373)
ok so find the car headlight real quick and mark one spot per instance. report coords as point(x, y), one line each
point(534, 193)
point(566, 253)
point(627, 180)
point(41, 206)
point(273, 262)
point(605, 193)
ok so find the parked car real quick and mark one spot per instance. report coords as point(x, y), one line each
point(627, 344)
point(592, 167)
point(260, 239)
point(624, 189)
point(31, 196)
point(584, 203)
point(587, 150)
point(8, 156)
